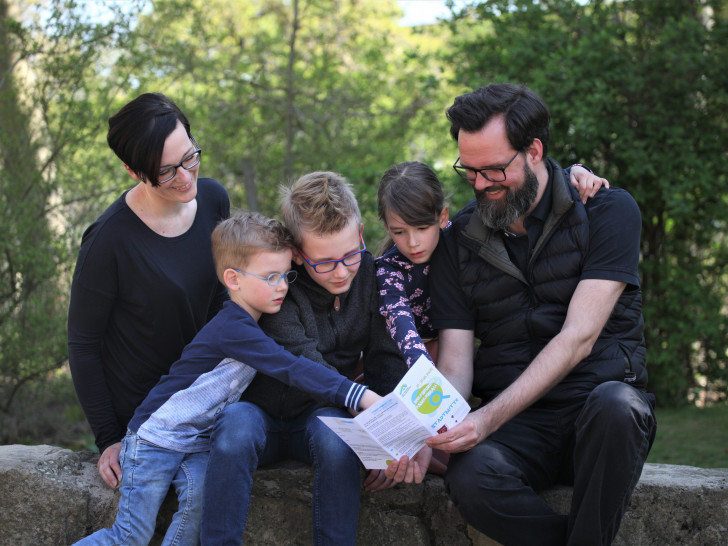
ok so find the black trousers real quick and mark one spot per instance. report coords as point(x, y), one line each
point(598, 445)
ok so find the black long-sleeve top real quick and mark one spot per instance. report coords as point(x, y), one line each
point(137, 299)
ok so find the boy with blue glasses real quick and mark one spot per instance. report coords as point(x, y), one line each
point(169, 435)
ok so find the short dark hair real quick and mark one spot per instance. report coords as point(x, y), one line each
point(526, 114)
point(137, 133)
point(413, 192)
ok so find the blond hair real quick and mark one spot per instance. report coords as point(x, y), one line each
point(320, 202)
point(237, 239)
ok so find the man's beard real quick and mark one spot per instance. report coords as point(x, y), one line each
point(502, 213)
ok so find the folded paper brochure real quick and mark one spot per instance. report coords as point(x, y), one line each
point(424, 404)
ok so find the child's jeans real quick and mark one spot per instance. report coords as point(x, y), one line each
point(246, 437)
point(147, 471)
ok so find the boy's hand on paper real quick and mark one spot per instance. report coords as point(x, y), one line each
point(368, 398)
point(410, 471)
point(377, 480)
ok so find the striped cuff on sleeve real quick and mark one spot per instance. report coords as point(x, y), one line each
point(353, 396)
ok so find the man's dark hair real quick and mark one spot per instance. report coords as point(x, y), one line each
point(137, 132)
point(526, 115)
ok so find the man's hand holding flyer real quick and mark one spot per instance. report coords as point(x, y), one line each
point(423, 405)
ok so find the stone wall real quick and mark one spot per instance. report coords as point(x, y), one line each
point(53, 496)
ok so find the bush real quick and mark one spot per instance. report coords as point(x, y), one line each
point(47, 411)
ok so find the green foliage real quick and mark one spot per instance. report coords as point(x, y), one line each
point(273, 89)
point(46, 411)
point(47, 59)
point(278, 88)
point(638, 90)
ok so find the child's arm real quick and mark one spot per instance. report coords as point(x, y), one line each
point(584, 180)
point(248, 344)
point(368, 398)
point(394, 306)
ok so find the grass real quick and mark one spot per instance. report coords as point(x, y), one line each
point(692, 436)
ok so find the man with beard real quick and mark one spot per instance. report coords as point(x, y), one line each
point(549, 287)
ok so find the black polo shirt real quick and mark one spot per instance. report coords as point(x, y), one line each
point(614, 251)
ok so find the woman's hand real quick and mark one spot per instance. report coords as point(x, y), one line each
point(109, 466)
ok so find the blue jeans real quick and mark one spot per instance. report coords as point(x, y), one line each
point(147, 472)
point(598, 445)
point(245, 437)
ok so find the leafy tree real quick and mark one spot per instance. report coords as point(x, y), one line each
point(277, 88)
point(274, 88)
point(49, 101)
point(637, 89)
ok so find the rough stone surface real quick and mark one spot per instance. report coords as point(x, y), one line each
point(53, 496)
point(50, 495)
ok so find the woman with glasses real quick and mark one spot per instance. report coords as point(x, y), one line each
point(145, 282)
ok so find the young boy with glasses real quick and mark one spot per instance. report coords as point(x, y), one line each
point(332, 317)
point(169, 435)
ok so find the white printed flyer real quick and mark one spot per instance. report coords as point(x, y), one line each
point(424, 404)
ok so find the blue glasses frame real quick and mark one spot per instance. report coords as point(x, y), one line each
point(327, 266)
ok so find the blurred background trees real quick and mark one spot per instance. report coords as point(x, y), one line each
point(637, 89)
point(52, 89)
point(277, 88)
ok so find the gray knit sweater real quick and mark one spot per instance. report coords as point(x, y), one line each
point(308, 325)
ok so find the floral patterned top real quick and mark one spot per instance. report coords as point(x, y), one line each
point(404, 301)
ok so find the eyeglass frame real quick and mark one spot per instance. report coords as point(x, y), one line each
point(198, 152)
point(482, 171)
point(267, 279)
point(336, 262)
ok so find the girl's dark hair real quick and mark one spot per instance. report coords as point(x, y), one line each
point(412, 191)
point(137, 133)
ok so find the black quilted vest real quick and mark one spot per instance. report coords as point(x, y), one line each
point(516, 316)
